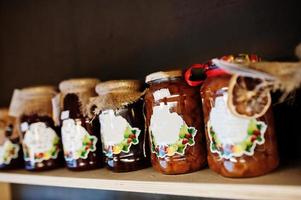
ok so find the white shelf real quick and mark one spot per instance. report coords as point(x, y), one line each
point(284, 183)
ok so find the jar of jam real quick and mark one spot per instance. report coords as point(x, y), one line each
point(175, 123)
point(119, 107)
point(11, 156)
point(40, 137)
point(80, 133)
point(239, 125)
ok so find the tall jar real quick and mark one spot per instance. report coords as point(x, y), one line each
point(40, 136)
point(175, 124)
point(238, 146)
point(11, 156)
point(80, 133)
point(119, 107)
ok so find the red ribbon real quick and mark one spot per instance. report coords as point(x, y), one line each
point(209, 70)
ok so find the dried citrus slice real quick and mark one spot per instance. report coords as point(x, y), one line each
point(248, 97)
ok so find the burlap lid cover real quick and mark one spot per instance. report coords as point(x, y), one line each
point(115, 94)
point(5, 121)
point(163, 75)
point(36, 100)
point(84, 88)
point(3, 117)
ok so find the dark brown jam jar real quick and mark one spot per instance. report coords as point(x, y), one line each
point(240, 132)
point(80, 133)
point(40, 136)
point(11, 156)
point(119, 107)
point(175, 124)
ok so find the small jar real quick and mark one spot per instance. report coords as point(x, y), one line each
point(80, 133)
point(119, 107)
point(40, 137)
point(175, 124)
point(11, 156)
point(237, 146)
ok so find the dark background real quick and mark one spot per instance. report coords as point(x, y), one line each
point(44, 42)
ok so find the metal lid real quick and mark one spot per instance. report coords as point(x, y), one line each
point(163, 74)
point(117, 86)
point(78, 84)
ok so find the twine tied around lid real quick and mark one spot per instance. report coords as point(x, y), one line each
point(114, 94)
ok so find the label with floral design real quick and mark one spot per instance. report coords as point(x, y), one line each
point(77, 142)
point(117, 135)
point(8, 152)
point(40, 143)
point(169, 133)
point(232, 136)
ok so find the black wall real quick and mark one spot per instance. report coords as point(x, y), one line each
point(43, 42)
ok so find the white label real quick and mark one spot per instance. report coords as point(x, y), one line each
point(24, 126)
point(116, 133)
point(229, 128)
point(232, 136)
point(77, 142)
point(8, 151)
point(112, 127)
point(40, 143)
point(15, 104)
point(169, 133)
point(65, 115)
point(165, 125)
point(161, 94)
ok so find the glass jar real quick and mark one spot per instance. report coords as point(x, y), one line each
point(80, 133)
point(119, 107)
point(40, 136)
point(175, 124)
point(237, 146)
point(11, 156)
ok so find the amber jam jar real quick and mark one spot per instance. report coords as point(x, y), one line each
point(175, 124)
point(237, 146)
point(11, 156)
point(119, 107)
point(80, 133)
point(40, 137)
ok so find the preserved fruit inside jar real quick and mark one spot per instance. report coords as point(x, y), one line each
point(40, 136)
point(175, 124)
point(241, 139)
point(119, 108)
point(80, 134)
point(11, 156)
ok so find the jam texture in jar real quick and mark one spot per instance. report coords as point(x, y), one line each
point(80, 133)
point(237, 146)
point(40, 136)
point(175, 124)
point(11, 156)
point(119, 107)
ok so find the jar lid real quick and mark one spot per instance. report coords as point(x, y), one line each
point(78, 84)
point(38, 91)
point(117, 86)
point(163, 74)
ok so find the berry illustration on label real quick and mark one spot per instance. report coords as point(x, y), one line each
point(117, 134)
point(40, 143)
point(169, 133)
point(77, 142)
